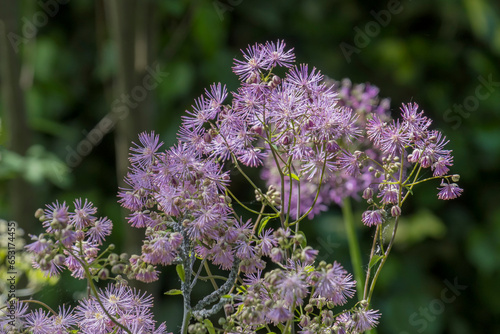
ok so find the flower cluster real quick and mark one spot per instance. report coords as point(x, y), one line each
point(178, 196)
point(320, 141)
point(408, 147)
point(336, 184)
point(271, 298)
point(128, 307)
point(72, 237)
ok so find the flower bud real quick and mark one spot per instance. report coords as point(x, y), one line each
point(80, 235)
point(124, 257)
point(39, 214)
point(118, 269)
point(286, 140)
point(207, 138)
point(455, 177)
point(258, 129)
point(103, 274)
point(253, 79)
point(332, 146)
point(368, 193)
point(228, 308)
point(395, 211)
point(59, 259)
point(113, 257)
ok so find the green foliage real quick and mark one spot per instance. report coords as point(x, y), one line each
point(36, 167)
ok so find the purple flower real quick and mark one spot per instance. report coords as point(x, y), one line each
point(389, 194)
point(320, 162)
point(222, 254)
point(161, 249)
point(49, 267)
point(267, 242)
point(116, 298)
point(350, 162)
point(432, 149)
point(19, 321)
point(372, 217)
point(39, 322)
point(40, 245)
point(139, 219)
point(82, 216)
point(302, 78)
point(394, 139)
point(309, 255)
point(292, 287)
point(449, 191)
point(131, 308)
point(440, 167)
point(254, 61)
point(147, 275)
point(279, 313)
point(64, 320)
point(91, 317)
point(216, 97)
point(334, 284)
point(275, 55)
point(100, 229)
point(56, 212)
point(375, 128)
point(251, 157)
point(364, 319)
point(68, 236)
point(144, 153)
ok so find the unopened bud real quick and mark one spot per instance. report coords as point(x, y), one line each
point(59, 259)
point(253, 79)
point(39, 214)
point(332, 146)
point(258, 129)
point(113, 257)
point(395, 211)
point(207, 138)
point(118, 269)
point(103, 274)
point(368, 193)
point(455, 177)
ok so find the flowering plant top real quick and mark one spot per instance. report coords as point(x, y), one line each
point(318, 141)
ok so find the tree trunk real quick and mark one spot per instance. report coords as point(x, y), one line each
point(21, 199)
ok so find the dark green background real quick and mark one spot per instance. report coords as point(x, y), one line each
point(436, 53)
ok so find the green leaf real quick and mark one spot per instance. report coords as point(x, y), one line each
point(263, 224)
point(294, 176)
point(209, 326)
point(181, 272)
point(173, 292)
point(375, 259)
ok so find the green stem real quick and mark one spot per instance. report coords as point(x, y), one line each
point(185, 320)
point(384, 259)
point(354, 249)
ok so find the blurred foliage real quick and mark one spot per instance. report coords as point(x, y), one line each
point(436, 53)
point(27, 279)
point(37, 166)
